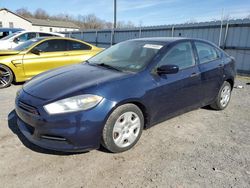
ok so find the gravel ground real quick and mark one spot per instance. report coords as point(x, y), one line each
point(202, 148)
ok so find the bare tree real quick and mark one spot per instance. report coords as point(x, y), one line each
point(24, 12)
point(63, 17)
point(191, 21)
point(89, 21)
point(108, 25)
point(41, 14)
point(122, 24)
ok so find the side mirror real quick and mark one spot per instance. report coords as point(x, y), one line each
point(35, 51)
point(167, 69)
point(16, 40)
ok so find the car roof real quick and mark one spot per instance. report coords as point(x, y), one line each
point(10, 29)
point(160, 39)
point(61, 38)
point(28, 31)
point(168, 40)
point(57, 37)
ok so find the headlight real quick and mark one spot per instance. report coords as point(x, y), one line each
point(73, 104)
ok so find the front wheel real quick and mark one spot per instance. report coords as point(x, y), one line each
point(223, 97)
point(123, 128)
point(6, 76)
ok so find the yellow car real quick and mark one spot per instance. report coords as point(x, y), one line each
point(41, 54)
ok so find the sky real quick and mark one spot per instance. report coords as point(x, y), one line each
point(140, 12)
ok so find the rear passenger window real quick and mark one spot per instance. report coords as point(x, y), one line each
point(180, 55)
point(73, 45)
point(45, 35)
point(206, 52)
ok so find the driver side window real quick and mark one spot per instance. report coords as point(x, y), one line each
point(181, 55)
point(26, 36)
point(52, 46)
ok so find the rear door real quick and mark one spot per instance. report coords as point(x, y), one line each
point(52, 55)
point(211, 68)
point(78, 52)
point(181, 91)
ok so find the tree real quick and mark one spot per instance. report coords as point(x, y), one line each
point(122, 24)
point(191, 21)
point(89, 21)
point(24, 12)
point(41, 14)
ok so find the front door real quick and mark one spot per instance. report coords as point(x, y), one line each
point(23, 38)
point(175, 93)
point(52, 54)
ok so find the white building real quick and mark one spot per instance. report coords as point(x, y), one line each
point(13, 20)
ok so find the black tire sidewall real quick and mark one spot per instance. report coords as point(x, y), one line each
point(108, 141)
point(11, 76)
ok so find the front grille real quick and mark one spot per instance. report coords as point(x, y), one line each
point(28, 108)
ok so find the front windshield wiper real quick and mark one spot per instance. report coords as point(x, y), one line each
point(107, 66)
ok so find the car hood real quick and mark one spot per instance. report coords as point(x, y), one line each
point(69, 80)
point(8, 52)
point(4, 44)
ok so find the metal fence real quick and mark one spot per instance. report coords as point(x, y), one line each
point(233, 36)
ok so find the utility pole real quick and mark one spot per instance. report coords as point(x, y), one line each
point(114, 25)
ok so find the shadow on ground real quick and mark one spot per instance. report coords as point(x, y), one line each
point(12, 123)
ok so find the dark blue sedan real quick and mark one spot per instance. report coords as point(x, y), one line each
point(130, 86)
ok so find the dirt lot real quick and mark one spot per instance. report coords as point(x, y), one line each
point(202, 148)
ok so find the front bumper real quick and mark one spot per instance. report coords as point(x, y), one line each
point(70, 132)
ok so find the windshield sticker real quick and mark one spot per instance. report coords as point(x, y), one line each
point(153, 46)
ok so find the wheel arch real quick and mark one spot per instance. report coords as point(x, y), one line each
point(231, 82)
point(140, 105)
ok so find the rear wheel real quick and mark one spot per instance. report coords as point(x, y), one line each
point(6, 76)
point(223, 97)
point(123, 128)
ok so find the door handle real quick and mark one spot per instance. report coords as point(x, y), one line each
point(220, 65)
point(194, 74)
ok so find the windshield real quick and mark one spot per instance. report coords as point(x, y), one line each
point(26, 45)
point(127, 56)
point(9, 36)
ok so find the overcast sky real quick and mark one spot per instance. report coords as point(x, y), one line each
point(146, 12)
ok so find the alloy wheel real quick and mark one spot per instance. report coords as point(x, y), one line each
point(5, 77)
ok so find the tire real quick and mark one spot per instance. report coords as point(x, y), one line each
point(223, 97)
point(123, 128)
point(6, 76)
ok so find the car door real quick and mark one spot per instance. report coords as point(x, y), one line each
point(78, 52)
point(23, 38)
point(175, 93)
point(51, 55)
point(211, 68)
